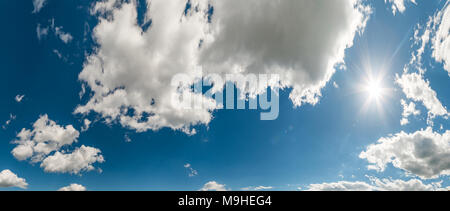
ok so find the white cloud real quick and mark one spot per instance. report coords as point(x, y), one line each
point(258, 188)
point(58, 32)
point(41, 31)
point(60, 56)
point(408, 110)
point(335, 85)
point(341, 186)
point(86, 125)
point(47, 137)
point(127, 138)
point(11, 118)
point(192, 171)
point(9, 179)
point(19, 98)
point(103, 6)
point(267, 42)
point(213, 186)
point(38, 5)
point(81, 159)
point(424, 153)
point(378, 185)
point(441, 40)
point(421, 40)
point(73, 187)
point(130, 72)
point(399, 5)
point(64, 36)
point(435, 32)
point(418, 89)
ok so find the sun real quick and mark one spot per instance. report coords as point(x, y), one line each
point(375, 94)
point(374, 89)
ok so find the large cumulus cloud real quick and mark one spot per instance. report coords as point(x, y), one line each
point(130, 72)
point(302, 41)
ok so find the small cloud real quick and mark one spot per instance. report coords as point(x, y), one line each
point(41, 32)
point(38, 5)
point(48, 144)
point(9, 179)
point(11, 118)
point(263, 188)
point(73, 187)
point(192, 172)
point(87, 124)
point(258, 188)
point(82, 92)
point(19, 98)
point(335, 85)
point(127, 138)
point(64, 36)
point(213, 186)
point(59, 55)
point(57, 30)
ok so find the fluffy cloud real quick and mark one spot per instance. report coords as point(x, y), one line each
point(9, 179)
point(436, 34)
point(58, 30)
point(378, 185)
point(300, 40)
point(38, 5)
point(424, 153)
point(399, 5)
point(131, 70)
point(408, 110)
point(73, 187)
point(412, 81)
point(64, 36)
point(81, 159)
point(213, 186)
point(47, 137)
point(441, 40)
point(418, 89)
point(86, 125)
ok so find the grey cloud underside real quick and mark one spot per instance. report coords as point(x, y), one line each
point(424, 153)
point(9, 179)
point(129, 74)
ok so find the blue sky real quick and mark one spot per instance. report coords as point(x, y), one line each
point(308, 144)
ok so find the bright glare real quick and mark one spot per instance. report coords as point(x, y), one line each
point(375, 93)
point(374, 90)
